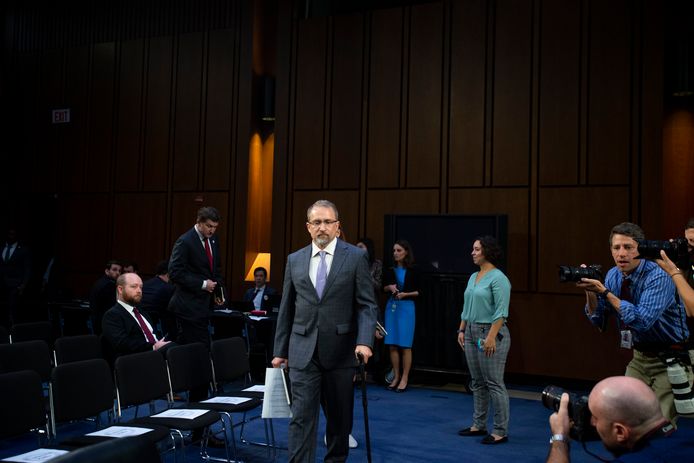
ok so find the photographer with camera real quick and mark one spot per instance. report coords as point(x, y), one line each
point(651, 322)
point(628, 419)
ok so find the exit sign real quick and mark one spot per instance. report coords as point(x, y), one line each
point(61, 116)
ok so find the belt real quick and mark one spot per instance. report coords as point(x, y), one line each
point(653, 349)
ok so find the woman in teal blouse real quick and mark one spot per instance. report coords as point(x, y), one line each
point(484, 337)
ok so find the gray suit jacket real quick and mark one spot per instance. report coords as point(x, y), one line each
point(334, 325)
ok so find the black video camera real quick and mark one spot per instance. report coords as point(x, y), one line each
point(677, 250)
point(579, 413)
point(567, 273)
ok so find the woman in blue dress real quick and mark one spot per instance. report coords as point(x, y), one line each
point(402, 283)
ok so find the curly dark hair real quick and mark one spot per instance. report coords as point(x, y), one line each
point(491, 249)
point(408, 261)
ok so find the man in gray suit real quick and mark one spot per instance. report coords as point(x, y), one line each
point(327, 318)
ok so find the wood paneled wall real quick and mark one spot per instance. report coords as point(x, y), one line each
point(547, 111)
point(160, 105)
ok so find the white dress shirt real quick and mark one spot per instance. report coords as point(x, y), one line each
point(315, 259)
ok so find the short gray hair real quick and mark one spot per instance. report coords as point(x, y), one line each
point(322, 203)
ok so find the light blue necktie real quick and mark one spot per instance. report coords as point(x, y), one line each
point(321, 275)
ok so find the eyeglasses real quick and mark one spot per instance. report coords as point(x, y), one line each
point(327, 223)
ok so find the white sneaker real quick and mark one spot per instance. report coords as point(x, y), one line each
point(353, 444)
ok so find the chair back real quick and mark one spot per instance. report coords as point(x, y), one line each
point(80, 390)
point(27, 355)
point(230, 359)
point(140, 378)
point(189, 367)
point(21, 332)
point(22, 404)
point(4, 335)
point(77, 348)
point(125, 450)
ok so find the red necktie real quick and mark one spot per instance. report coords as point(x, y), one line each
point(209, 254)
point(143, 326)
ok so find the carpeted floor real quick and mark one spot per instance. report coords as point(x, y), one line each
point(418, 426)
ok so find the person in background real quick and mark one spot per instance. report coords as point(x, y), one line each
point(131, 267)
point(156, 294)
point(375, 265)
point(485, 338)
point(15, 271)
point(402, 283)
point(103, 293)
point(260, 292)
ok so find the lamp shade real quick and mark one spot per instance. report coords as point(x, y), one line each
point(261, 260)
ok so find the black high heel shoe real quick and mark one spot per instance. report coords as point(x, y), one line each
point(392, 387)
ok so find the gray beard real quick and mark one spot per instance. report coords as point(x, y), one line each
point(321, 241)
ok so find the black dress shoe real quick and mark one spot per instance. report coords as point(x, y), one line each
point(491, 441)
point(469, 432)
point(399, 390)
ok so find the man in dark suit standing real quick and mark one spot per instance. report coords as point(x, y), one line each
point(103, 294)
point(261, 292)
point(15, 270)
point(327, 318)
point(195, 271)
point(125, 329)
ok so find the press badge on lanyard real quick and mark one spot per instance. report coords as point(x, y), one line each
point(625, 339)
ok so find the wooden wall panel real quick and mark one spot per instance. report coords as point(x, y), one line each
point(514, 202)
point(157, 132)
point(220, 104)
point(609, 93)
point(25, 98)
point(138, 229)
point(85, 253)
point(74, 150)
point(129, 113)
point(572, 234)
point(310, 112)
point(425, 96)
point(101, 105)
point(383, 202)
point(347, 203)
point(559, 112)
point(346, 102)
point(511, 117)
point(186, 155)
point(385, 87)
point(540, 323)
point(467, 100)
point(45, 162)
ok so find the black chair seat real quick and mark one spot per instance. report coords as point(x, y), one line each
point(207, 419)
point(157, 434)
point(229, 408)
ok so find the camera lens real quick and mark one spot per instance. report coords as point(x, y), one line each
point(551, 397)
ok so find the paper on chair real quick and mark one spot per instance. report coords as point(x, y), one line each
point(120, 431)
point(226, 400)
point(37, 456)
point(276, 399)
point(183, 413)
point(256, 388)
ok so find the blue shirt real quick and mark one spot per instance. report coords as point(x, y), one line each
point(487, 300)
point(654, 316)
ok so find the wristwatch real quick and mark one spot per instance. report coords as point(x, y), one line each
point(558, 438)
point(459, 331)
point(605, 293)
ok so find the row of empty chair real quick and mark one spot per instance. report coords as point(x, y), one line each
point(80, 388)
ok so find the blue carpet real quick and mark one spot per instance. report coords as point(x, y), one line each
point(418, 426)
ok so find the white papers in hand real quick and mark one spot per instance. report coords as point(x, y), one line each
point(276, 399)
point(183, 413)
point(120, 431)
point(227, 400)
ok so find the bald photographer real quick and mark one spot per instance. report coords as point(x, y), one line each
point(627, 417)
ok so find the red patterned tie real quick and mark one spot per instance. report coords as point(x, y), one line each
point(143, 326)
point(209, 254)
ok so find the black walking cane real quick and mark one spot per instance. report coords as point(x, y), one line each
point(362, 373)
